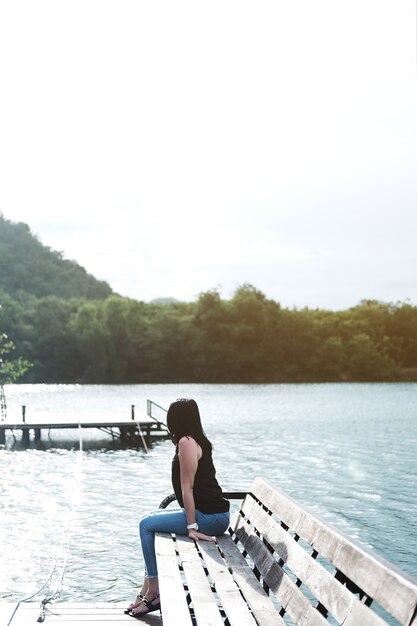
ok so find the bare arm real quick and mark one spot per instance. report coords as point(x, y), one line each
point(188, 453)
point(188, 457)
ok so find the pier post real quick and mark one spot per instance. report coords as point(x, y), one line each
point(37, 434)
point(25, 431)
point(2, 436)
point(25, 436)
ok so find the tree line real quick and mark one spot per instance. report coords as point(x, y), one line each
point(245, 339)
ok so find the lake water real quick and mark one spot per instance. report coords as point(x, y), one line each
point(348, 451)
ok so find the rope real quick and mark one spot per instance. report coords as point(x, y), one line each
point(13, 614)
point(75, 503)
point(64, 543)
point(3, 405)
point(139, 428)
point(142, 436)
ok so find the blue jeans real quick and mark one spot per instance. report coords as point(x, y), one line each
point(174, 521)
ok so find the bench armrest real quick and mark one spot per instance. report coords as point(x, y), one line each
point(229, 495)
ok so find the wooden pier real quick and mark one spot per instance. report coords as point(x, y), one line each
point(69, 614)
point(122, 430)
point(134, 431)
point(279, 564)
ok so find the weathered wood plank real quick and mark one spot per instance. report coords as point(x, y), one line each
point(289, 595)
point(110, 614)
point(173, 600)
point(235, 607)
point(84, 605)
point(354, 618)
point(82, 620)
point(98, 618)
point(287, 509)
point(392, 589)
point(262, 607)
point(205, 606)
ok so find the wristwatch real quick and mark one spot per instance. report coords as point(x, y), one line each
point(192, 526)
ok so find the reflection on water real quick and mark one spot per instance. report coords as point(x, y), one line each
point(346, 451)
point(92, 440)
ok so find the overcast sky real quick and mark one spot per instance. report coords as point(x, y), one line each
point(172, 147)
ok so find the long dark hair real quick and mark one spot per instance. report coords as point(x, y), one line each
point(183, 419)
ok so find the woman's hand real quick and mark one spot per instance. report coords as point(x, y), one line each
point(194, 534)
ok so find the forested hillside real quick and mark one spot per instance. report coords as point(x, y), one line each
point(61, 321)
point(28, 267)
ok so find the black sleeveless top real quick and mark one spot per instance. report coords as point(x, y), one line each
point(207, 492)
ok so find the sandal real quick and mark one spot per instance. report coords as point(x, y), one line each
point(150, 607)
point(139, 599)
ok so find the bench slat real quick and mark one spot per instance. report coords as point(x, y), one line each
point(289, 595)
point(173, 600)
point(235, 607)
point(391, 588)
point(205, 605)
point(262, 607)
point(379, 579)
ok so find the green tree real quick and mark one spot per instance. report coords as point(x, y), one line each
point(211, 320)
point(364, 360)
point(51, 346)
point(90, 340)
point(253, 327)
point(331, 360)
point(10, 369)
point(401, 330)
point(175, 349)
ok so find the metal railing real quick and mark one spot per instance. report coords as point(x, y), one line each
point(157, 413)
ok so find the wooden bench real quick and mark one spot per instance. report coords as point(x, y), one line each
point(279, 564)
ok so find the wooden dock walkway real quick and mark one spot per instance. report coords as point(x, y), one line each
point(71, 613)
point(133, 430)
point(124, 430)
